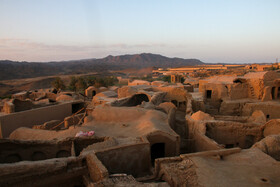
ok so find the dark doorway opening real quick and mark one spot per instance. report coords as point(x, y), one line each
point(273, 92)
point(278, 95)
point(229, 146)
point(157, 151)
point(175, 102)
point(137, 100)
point(76, 107)
point(208, 94)
point(93, 93)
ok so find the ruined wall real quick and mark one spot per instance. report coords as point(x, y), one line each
point(97, 170)
point(232, 107)
point(234, 134)
point(172, 146)
point(130, 159)
point(270, 109)
point(238, 91)
point(33, 117)
point(53, 172)
point(173, 93)
point(218, 91)
point(197, 130)
point(15, 150)
point(270, 145)
point(203, 143)
point(31, 150)
point(126, 91)
point(256, 87)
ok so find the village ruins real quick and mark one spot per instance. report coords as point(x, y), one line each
point(221, 130)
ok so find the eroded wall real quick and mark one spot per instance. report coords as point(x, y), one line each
point(234, 134)
point(33, 117)
point(130, 159)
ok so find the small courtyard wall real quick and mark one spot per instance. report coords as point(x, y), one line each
point(15, 150)
point(52, 172)
point(33, 117)
point(234, 134)
point(131, 159)
point(172, 144)
point(197, 130)
point(270, 109)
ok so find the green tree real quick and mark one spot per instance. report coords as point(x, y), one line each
point(72, 85)
point(58, 84)
point(91, 80)
point(166, 79)
point(99, 82)
point(81, 84)
point(110, 81)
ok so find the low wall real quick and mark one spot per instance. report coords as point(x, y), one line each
point(172, 143)
point(15, 151)
point(130, 159)
point(234, 134)
point(270, 109)
point(203, 143)
point(96, 169)
point(52, 172)
point(10, 122)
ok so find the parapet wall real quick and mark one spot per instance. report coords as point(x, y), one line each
point(132, 159)
point(29, 118)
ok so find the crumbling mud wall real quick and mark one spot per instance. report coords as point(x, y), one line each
point(130, 159)
point(18, 150)
point(53, 172)
point(33, 117)
point(171, 145)
point(270, 109)
point(197, 130)
point(270, 145)
point(234, 134)
point(33, 150)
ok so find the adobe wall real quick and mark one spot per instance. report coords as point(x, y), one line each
point(203, 143)
point(173, 93)
point(270, 145)
point(234, 134)
point(238, 91)
point(172, 147)
point(270, 109)
point(197, 130)
point(218, 90)
point(15, 151)
point(18, 150)
point(96, 169)
point(53, 172)
point(126, 91)
point(232, 107)
point(258, 87)
point(32, 117)
point(130, 159)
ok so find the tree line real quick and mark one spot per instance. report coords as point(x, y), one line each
point(78, 84)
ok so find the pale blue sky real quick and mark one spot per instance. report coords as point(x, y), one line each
point(234, 31)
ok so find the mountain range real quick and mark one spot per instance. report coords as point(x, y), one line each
point(16, 70)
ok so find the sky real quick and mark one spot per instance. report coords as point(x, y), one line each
point(226, 31)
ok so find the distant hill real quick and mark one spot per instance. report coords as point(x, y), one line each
point(16, 70)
